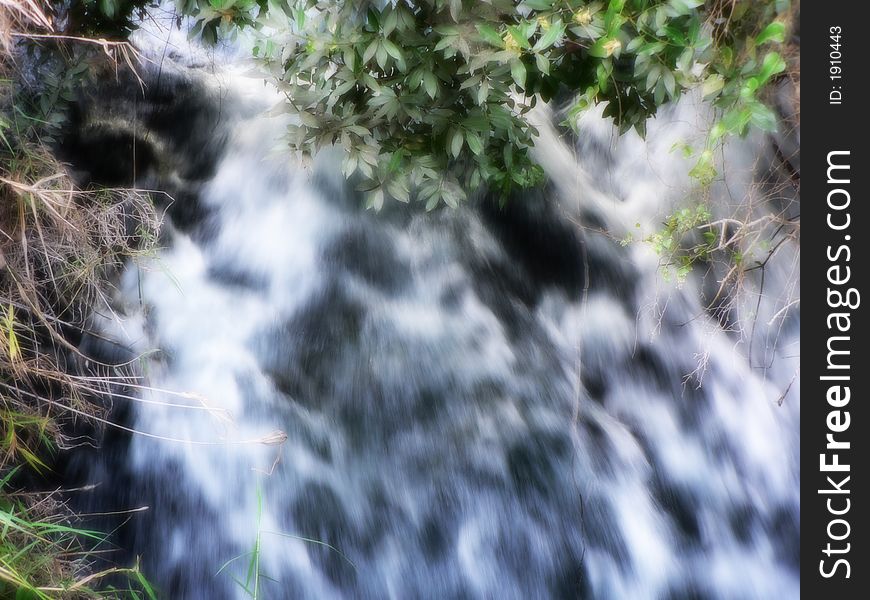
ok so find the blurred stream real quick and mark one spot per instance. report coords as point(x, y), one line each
point(477, 403)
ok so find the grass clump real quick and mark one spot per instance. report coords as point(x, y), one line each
point(59, 247)
point(43, 556)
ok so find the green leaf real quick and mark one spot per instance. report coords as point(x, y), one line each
point(474, 142)
point(635, 43)
point(456, 141)
point(452, 194)
point(518, 72)
point(652, 77)
point(651, 48)
point(109, 8)
point(518, 37)
point(542, 63)
point(432, 199)
point(550, 37)
point(704, 169)
point(455, 9)
point(308, 120)
point(445, 42)
point(392, 49)
point(381, 55)
point(684, 63)
point(476, 122)
point(371, 83)
point(370, 50)
point(683, 7)
point(659, 93)
point(539, 4)
point(375, 199)
point(736, 119)
point(726, 55)
point(398, 189)
point(146, 585)
point(390, 22)
point(406, 18)
point(763, 117)
point(712, 85)
point(447, 30)
point(349, 57)
point(471, 82)
point(747, 91)
point(670, 84)
point(599, 49)
point(775, 32)
point(490, 35)
point(483, 92)
point(773, 63)
point(430, 84)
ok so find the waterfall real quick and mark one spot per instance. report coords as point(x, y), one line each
point(482, 402)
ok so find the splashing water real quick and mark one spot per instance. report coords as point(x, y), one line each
point(477, 403)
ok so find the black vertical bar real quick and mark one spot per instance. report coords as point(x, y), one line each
point(834, 417)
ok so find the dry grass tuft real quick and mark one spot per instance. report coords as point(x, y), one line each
point(20, 15)
point(59, 248)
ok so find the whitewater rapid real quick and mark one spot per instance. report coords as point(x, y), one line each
point(475, 403)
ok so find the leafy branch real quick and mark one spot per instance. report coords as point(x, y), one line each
point(429, 99)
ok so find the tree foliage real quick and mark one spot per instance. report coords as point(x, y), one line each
point(430, 98)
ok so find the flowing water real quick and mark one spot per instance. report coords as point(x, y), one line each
point(477, 403)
